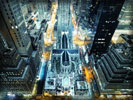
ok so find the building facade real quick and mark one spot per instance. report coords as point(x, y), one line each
point(15, 75)
point(113, 71)
point(13, 18)
point(18, 62)
point(125, 18)
point(107, 21)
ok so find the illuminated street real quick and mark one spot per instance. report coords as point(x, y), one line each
point(66, 50)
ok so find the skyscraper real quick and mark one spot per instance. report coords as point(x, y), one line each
point(13, 18)
point(113, 71)
point(107, 22)
point(45, 47)
point(17, 73)
point(125, 18)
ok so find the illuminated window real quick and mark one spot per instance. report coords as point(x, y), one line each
point(12, 27)
point(109, 34)
point(99, 38)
